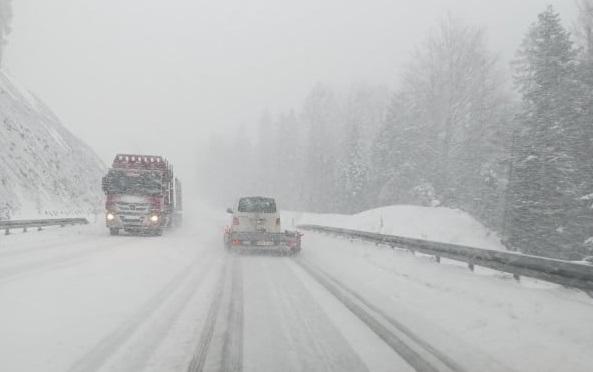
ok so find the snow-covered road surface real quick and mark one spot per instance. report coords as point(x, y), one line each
point(76, 299)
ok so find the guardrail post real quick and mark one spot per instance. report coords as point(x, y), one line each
point(7, 231)
point(39, 228)
point(470, 265)
point(437, 259)
point(516, 277)
point(25, 229)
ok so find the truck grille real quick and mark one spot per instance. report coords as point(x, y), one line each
point(131, 221)
point(133, 208)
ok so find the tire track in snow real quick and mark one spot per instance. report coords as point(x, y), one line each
point(137, 358)
point(198, 360)
point(99, 355)
point(220, 346)
point(233, 341)
point(418, 353)
point(314, 341)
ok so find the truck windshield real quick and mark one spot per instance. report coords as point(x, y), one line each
point(133, 182)
point(257, 205)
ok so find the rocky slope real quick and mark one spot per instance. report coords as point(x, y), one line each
point(44, 169)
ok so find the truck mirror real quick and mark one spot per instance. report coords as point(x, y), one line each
point(229, 211)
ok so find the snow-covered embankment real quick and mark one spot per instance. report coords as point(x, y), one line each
point(429, 223)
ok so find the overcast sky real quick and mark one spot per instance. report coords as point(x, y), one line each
point(158, 76)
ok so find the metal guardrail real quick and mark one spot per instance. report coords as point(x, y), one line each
point(39, 224)
point(566, 273)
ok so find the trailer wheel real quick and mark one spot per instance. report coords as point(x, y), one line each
point(114, 231)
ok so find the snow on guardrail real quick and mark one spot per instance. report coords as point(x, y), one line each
point(39, 224)
point(567, 273)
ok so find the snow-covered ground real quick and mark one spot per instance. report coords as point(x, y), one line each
point(428, 223)
point(45, 171)
point(76, 299)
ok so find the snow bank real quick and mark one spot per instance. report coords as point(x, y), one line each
point(429, 223)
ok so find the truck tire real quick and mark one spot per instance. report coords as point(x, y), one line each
point(158, 232)
point(113, 231)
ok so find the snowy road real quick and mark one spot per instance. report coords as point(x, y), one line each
point(75, 299)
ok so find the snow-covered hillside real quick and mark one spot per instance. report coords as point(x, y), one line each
point(43, 168)
point(429, 223)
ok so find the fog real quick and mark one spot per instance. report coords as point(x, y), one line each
point(387, 185)
point(160, 76)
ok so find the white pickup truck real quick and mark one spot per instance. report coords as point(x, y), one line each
point(256, 225)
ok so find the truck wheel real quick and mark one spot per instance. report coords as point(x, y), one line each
point(158, 232)
point(113, 231)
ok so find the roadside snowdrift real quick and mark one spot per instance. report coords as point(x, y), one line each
point(44, 169)
point(429, 223)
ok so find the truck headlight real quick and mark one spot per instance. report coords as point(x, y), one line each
point(154, 218)
point(110, 217)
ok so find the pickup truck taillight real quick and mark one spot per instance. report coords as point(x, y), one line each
point(235, 220)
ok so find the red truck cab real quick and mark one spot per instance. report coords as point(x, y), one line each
point(142, 195)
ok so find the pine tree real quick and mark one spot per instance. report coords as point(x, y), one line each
point(287, 156)
point(353, 173)
point(320, 114)
point(262, 171)
point(584, 38)
point(584, 27)
point(546, 211)
point(364, 112)
point(397, 161)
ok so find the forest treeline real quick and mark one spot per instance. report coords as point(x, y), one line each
point(513, 146)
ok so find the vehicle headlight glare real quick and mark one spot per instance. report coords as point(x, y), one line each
point(154, 218)
point(110, 217)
